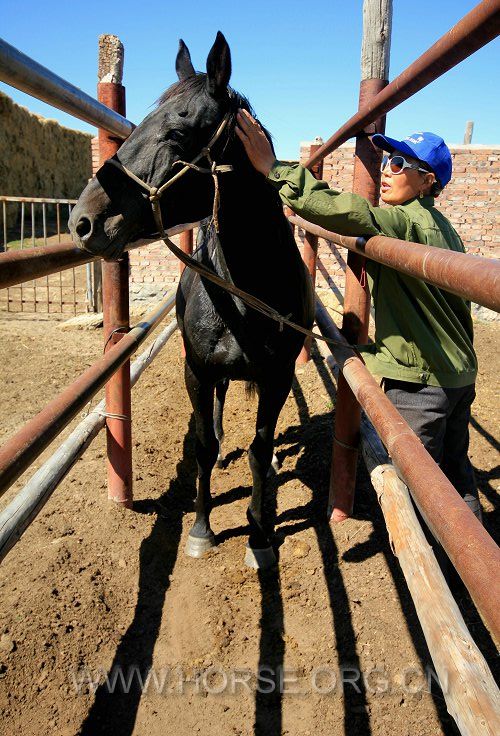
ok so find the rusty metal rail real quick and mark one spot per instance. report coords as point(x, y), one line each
point(29, 76)
point(470, 548)
point(32, 263)
point(471, 33)
point(472, 277)
point(26, 445)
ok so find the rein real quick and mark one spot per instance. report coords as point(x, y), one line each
point(215, 169)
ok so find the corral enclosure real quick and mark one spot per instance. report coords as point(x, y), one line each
point(130, 607)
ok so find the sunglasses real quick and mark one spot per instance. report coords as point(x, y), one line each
point(398, 164)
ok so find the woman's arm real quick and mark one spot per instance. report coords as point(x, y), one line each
point(342, 212)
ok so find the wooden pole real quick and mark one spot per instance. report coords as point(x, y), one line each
point(375, 54)
point(115, 295)
point(470, 692)
point(310, 250)
point(469, 127)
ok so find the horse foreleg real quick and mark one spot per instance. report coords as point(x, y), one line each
point(201, 536)
point(221, 388)
point(272, 396)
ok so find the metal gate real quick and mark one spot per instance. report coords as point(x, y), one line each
point(30, 222)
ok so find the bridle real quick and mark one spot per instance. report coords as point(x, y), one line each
point(215, 169)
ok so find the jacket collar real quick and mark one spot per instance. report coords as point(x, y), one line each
point(419, 202)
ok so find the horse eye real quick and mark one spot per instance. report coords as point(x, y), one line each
point(174, 135)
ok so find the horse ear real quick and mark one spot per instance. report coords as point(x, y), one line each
point(218, 66)
point(183, 65)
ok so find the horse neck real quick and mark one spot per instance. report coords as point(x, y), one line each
point(246, 197)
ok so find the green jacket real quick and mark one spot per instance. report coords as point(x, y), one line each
point(422, 334)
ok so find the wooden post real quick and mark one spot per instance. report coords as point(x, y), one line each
point(375, 54)
point(469, 127)
point(310, 250)
point(115, 286)
point(468, 686)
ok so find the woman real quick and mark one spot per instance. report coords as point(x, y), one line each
point(423, 348)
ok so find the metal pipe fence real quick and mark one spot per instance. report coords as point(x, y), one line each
point(471, 277)
point(25, 446)
point(29, 76)
point(31, 263)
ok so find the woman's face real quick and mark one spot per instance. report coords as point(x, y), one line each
point(399, 188)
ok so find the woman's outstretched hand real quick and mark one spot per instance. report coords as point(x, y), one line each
point(257, 146)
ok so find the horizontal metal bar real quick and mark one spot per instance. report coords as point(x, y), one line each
point(36, 200)
point(18, 266)
point(30, 500)
point(29, 76)
point(18, 453)
point(471, 33)
point(472, 277)
point(470, 548)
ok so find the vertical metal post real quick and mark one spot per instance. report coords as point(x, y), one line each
point(33, 238)
point(58, 217)
point(22, 246)
point(186, 245)
point(44, 220)
point(4, 216)
point(115, 297)
point(377, 19)
point(310, 250)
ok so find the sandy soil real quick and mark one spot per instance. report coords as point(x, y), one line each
point(92, 591)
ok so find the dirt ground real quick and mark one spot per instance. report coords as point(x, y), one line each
point(93, 592)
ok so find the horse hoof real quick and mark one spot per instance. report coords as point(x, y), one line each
point(198, 546)
point(219, 462)
point(259, 559)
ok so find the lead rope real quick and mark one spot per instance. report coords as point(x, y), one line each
point(154, 197)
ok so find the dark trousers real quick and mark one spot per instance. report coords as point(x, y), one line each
point(440, 418)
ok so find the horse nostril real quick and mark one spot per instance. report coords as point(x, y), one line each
point(83, 227)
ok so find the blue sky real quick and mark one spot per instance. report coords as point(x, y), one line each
point(298, 63)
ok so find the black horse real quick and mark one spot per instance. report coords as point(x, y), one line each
point(253, 248)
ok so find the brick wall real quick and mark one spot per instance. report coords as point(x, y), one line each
point(154, 271)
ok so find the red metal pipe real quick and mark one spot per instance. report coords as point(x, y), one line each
point(471, 277)
point(471, 33)
point(19, 452)
point(310, 257)
point(470, 548)
point(186, 245)
point(366, 182)
point(17, 266)
point(116, 323)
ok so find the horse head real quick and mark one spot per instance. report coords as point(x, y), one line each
point(113, 209)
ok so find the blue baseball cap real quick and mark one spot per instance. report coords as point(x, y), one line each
point(427, 147)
